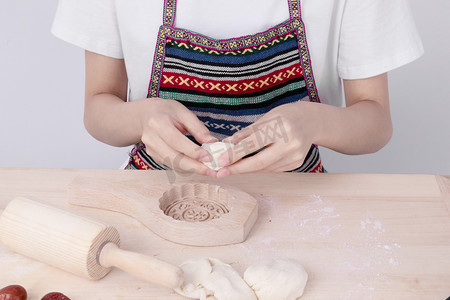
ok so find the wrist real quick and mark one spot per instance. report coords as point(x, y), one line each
point(317, 115)
point(357, 129)
point(142, 112)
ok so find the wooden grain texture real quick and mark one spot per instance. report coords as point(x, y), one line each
point(195, 214)
point(55, 237)
point(76, 244)
point(144, 267)
point(359, 236)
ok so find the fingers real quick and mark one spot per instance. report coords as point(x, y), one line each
point(184, 145)
point(240, 135)
point(246, 143)
point(195, 127)
point(276, 157)
point(293, 160)
point(163, 133)
point(256, 163)
point(170, 120)
point(266, 131)
point(284, 166)
point(163, 153)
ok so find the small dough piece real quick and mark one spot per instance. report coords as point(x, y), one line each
point(283, 279)
point(215, 150)
point(211, 279)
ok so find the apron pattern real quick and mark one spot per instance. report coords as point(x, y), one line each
point(229, 84)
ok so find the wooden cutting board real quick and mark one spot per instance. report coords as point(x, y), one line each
point(359, 236)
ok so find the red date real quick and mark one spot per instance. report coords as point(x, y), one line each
point(13, 292)
point(55, 296)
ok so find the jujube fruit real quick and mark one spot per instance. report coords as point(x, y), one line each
point(55, 296)
point(13, 292)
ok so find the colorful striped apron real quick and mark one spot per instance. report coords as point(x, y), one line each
point(231, 83)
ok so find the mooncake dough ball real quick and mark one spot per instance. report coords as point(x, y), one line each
point(283, 279)
point(212, 279)
point(216, 150)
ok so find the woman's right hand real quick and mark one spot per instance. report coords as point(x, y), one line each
point(159, 123)
point(164, 124)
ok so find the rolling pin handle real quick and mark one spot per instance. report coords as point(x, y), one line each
point(141, 266)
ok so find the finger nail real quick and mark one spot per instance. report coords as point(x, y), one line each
point(223, 161)
point(211, 139)
point(223, 173)
point(205, 158)
point(211, 173)
point(230, 139)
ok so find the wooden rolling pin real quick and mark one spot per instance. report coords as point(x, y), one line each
point(76, 244)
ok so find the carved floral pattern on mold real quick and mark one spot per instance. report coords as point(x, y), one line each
point(195, 202)
point(195, 210)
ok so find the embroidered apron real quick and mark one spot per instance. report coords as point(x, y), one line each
point(229, 84)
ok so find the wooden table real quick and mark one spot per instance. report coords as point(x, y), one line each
point(359, 236)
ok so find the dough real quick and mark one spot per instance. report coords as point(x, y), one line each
point(282, 279)
point(272, 279)
point(216, 149)
point(211, 279)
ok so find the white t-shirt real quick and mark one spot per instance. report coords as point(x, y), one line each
point(347, 39)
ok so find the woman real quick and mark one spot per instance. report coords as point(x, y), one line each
point(275, 77)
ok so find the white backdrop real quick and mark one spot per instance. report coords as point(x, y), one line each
point(42, 90)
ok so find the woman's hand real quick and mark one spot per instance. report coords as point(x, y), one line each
point(286, 132)
point(164, 123)
point(159, 123)
point(363, 126)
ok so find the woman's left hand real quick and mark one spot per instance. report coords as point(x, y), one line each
point(286, 134)
point(363, 126)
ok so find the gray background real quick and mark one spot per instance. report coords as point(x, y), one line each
point(42, 90)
